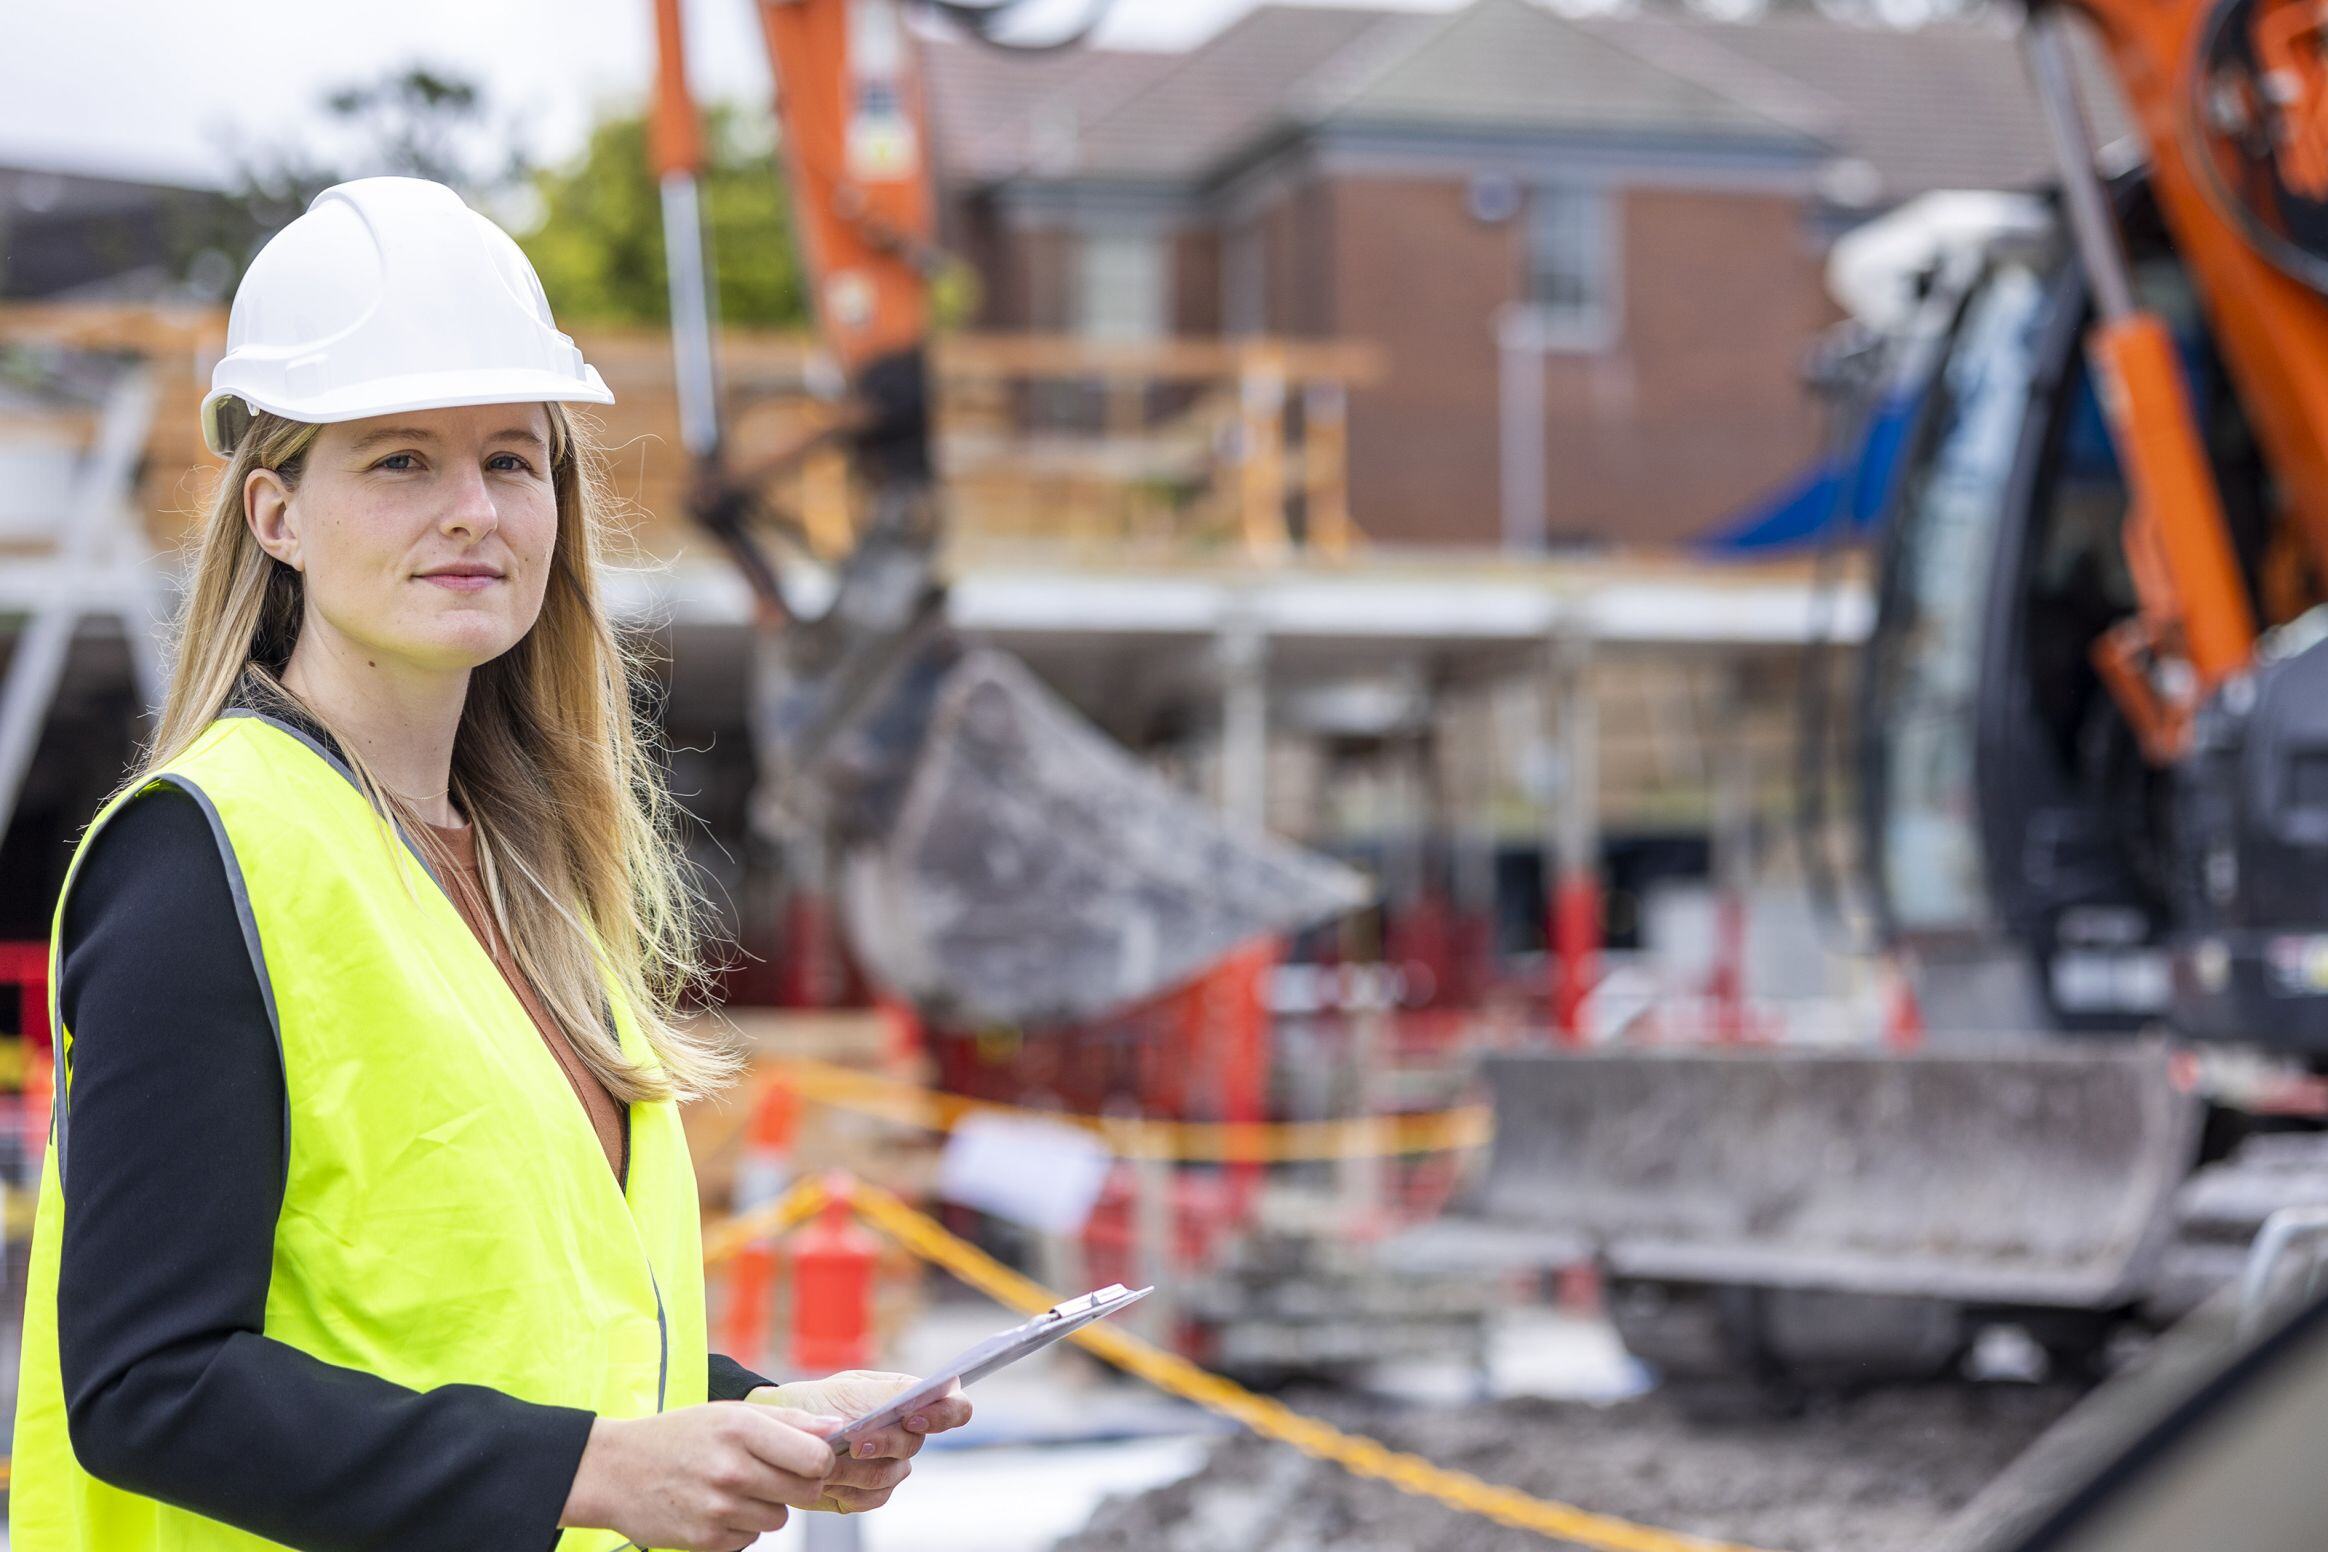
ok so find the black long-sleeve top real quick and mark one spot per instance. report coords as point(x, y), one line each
point(172, 1387)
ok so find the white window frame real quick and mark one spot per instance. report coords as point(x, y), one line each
point(1153, 248)
point(1592, 321)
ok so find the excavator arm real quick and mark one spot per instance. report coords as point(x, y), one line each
point(996, 858)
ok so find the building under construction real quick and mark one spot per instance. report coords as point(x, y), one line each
point(1486, 720)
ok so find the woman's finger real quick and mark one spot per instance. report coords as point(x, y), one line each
point(878, 1474)
point(857, 1500)
point(771, 1518)
point(951, 1410)
point(891, 1443)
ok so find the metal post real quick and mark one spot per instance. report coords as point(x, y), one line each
point(1732, 870)
point(100, 502)
point(690, 315)
point(1363, 1165)
point(1576, 899)
point(676, 147)
point(2091, 225)
point(1242, 652)
point(1519, 339)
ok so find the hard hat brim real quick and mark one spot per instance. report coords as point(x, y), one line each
point(388, 396)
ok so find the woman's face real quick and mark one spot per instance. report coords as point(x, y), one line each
point(424, 535)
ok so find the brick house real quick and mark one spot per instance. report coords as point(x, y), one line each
point(1591, 249)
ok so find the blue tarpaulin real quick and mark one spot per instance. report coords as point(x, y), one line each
point(1848, 492)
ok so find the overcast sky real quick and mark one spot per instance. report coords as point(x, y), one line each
point(160, 88)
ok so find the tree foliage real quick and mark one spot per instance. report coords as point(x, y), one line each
point(599, 243)
point(594, 230)
point(414, 122)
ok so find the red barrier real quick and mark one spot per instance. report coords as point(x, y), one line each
point(751, 1290)
point(24, 964)
point(1576, 953)
point(832, 1292)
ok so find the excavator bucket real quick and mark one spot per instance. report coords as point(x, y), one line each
point(2037, 1178)
point(1030, 872)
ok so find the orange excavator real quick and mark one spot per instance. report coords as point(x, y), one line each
point(2091, 772)
point(995, 859)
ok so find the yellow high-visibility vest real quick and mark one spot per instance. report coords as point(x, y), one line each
point(448, 1215)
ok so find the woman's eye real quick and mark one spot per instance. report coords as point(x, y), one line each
point(521, 466)
point(391, 459)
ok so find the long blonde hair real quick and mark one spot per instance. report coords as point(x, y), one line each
point(552, 763)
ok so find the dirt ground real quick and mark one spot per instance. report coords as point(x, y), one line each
point(1872, 1473)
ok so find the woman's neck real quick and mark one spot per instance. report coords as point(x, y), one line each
point(401, 718)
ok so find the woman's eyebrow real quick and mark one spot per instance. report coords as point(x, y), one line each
point(392, 434)
point(422, 434)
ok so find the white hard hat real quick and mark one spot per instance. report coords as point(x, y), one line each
point(389, 294)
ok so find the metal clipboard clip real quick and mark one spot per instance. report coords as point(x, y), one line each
point(996, 1352)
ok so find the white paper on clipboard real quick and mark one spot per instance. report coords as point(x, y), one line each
point(996, 1352)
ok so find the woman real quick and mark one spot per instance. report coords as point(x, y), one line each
point(362, 987)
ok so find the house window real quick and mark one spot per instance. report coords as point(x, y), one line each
point(1571, 267)
point(1120, 286)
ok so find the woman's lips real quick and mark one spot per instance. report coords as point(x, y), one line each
point(461, 583)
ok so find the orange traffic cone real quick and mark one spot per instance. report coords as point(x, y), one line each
point(762, 1176)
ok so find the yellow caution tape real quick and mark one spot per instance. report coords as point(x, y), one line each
point(1175, 1375)
point(727, 1236)
point(1217, 1142)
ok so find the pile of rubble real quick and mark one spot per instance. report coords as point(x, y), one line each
point(1877, 1472)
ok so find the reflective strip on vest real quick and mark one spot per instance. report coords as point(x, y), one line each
point(492, 1244)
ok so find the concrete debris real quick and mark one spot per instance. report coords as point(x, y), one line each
point(1878, 1472)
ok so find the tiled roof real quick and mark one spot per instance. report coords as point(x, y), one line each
point(1513, 64)
point(1948, 106)
point(1116, 113)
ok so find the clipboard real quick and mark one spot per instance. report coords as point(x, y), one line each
point(996, 1352)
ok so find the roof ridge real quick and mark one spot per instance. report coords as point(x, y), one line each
point(1026, 153)
point(1186, 58)
point(1401, 35)
point(1687, 53)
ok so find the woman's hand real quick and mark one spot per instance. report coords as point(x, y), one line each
point(866, 1478)
point(710, 1478)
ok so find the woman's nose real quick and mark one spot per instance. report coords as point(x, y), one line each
point(470, 503)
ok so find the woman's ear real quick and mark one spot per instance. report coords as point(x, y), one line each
point(267, 508)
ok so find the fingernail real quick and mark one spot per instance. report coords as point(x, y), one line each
point(919, 1422)
point(864, 1449)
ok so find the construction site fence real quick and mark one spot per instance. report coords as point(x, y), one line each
point(1133, 1137)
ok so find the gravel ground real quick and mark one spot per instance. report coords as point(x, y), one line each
point(1872, 1473)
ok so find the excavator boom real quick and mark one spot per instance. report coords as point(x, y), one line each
point(998, 859)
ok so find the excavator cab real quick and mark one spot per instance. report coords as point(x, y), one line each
point(2020, 847)
point(2037, 869)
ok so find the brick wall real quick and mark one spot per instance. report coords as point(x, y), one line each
point(1695, 411)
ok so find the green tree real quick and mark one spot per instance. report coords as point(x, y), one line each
point(599, 243)
point(412, 121)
